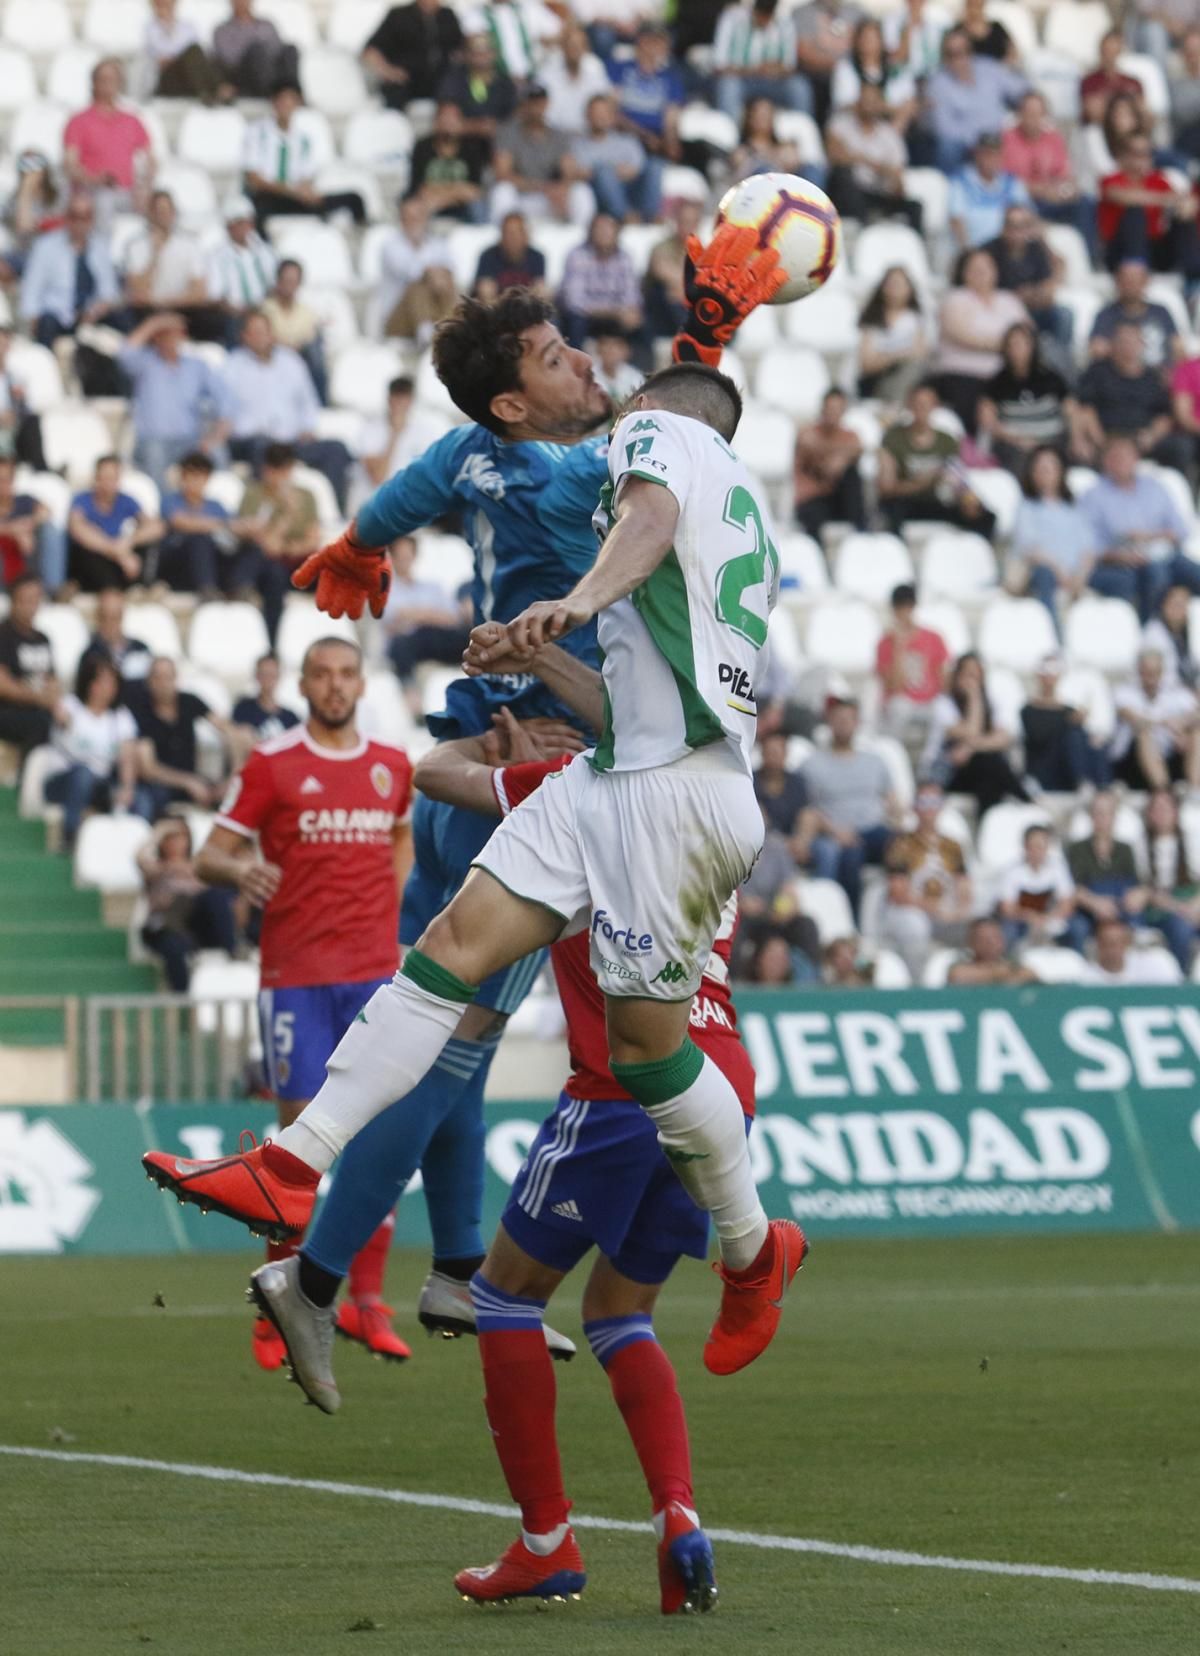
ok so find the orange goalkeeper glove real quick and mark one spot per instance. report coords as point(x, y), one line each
point(348, 577)
point(723, 283)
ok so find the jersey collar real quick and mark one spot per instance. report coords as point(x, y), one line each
point(355, 752)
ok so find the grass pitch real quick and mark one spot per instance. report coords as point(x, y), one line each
point(1033, 1401)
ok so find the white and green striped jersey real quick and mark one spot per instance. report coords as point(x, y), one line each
point(682, 652)
point(740, 45)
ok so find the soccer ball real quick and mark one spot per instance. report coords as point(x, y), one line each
point(794, 217)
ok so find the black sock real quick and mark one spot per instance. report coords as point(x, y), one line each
point(459, 1270)
point(318, 1285)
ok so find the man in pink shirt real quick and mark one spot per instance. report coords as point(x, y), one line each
point(1034, 151)
point(106, 147)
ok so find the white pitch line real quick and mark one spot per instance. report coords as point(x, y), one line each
point(737, 1538)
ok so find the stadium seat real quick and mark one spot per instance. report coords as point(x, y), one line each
point(1128, 826)
point(467, 242)
point(320, 248)
point(827, 905)
point(192, 191)
point(794, 380)
point(156, 627)
point(1018, 20)
point(39, 126)
point(432, 395)
point(1016, 633)
point(759, 333)
point(701, 123)
point(1088, 689)
point(890, 971)
point(1149, 73)
point(370, 259)
point(115, 27)
point(381, 139)
point(74, 437)
point(39, 764)
point(843, 637)
point(384, 712)
point(1006, 693)
point(1103, 633)
point(684, 184)
point(303, 623)
point(937, 968)
point(945, 618)
point(211, 139)
point(1051, 965)
point(360, 377)
point(106, 853)
point(1080, 479)
point(640, 240)
point(957, 565)
point(555, 241)
point(784, 651)
point(351, 23)
point(1002, 831)
point(35, 368)
point(227, 488)
point(333, 82)
point(296, 21)
point(337, 177)
point(827, 322)
point(880, 246)
point(227, 991)
point(895, 757)
point(1074, 28)
point(143, 489)
point(53, 491)
point(869, 566)
point(803, 573)
point(1066, 243)
point(1057, 78)
point(1000, 493)
point(226, 639)
point(18, 83)
point(40, 27)
point(794, 126)
point(1177, 486)
point(446, 559)
point(765, 441)
point(931, 188)
point(321, 489)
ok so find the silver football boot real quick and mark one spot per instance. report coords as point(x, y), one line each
point(445, 1308)
point(305, 1329)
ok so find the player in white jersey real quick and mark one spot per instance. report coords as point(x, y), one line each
point(643, 845)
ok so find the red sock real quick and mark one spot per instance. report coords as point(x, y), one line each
point(759, 1265)
point(519, 1378)
point(369, 1264)
point(644, 1389)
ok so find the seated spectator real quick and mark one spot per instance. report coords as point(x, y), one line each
point(185, 914)
point(263, 713)
point(967, 751)
point(1119, 396)
point(650, 93)
point(34, 207)
point(534, 169)
point(406, 257)
point(780, 792)
point(1168, 632)
point(280, 162)
point(1037, 896)
point(251, 57)
point(893, 340)
point(844, 965)
point(20, 428)
point(754, 56)
point(665, 303)
point(1161, 342)
point(771, 965)
point(967, 97)
point(390, 444)
point(612, 366)
point(626, 182)
point(179, 66)
point(1185, 98)
point(988, 36)
point(108, 533)
point(1157, 739)
point(166, 719)
point(768, 908)
point(1098, 88)
point(510, 262)
point(1024, 267)
point(295, 324)
point(1120, 966)
point(520, 29)
point(1034, 152)
point(279, 527)
point(1096, 148)
point(166, 269)
point(1185, 403)
point(106, 149)
point(1173, 894)
point(1161, 27)
point(242, 268)
point(929, 891)
point(96, 748)
point(851, 803)
point(111, 643)
point(981, 193)
point(986, 964)
point(30, 543)
point(179, 402)
point(31, 699)
point(910, 664)
point(1059, 755)
point(572, 75)
point(447, 167)
point(760, 149)
point(480, 90)
point(824, 36)
point(1025, 406)
point(913, 38)
point(197, 538)
point(69, 279)
point(1137, 531)
point(423, 622)
point(975, 318)
point(412, 49)
point(868, 64)
point(920, 475)
point(826, 484)
point(867, 156)
point(273, 400)
point(1144, 216)
point(1104, 870)
point(600, 286)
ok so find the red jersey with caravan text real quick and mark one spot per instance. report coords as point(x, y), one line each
point(327, 818)
point(713, 1022)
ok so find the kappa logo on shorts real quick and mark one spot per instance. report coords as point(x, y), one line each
point(672, 972)
point(615, 969)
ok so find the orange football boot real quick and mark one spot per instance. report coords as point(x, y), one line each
point(269, 1190)
point(371, 1326)
point(519, 1573)
point(750, 1305)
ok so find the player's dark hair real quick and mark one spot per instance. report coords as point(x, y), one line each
point(705, 393)
point(323, 643)
point(477, 351)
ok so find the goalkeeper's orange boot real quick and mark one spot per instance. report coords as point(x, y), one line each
point(520, 1573)
point(270, 1353)
point(752, 1300)
point(371, 1326)
point(269, 1190)
point(686, 1574)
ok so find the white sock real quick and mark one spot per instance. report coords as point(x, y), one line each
point(388, 1048)
point(706, 1123)
point(544, 1545)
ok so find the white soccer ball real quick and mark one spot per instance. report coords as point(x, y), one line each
point(794, 217)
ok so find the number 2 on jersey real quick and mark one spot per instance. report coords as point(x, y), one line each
point(748, 569)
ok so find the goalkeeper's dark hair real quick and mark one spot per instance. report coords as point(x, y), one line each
point(477, 351)
point(705, 393)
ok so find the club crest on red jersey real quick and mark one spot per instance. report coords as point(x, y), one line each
point(381, 780)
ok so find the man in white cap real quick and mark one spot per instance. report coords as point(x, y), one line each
point(242, 272)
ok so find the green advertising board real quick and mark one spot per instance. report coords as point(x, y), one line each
point(879, 1114)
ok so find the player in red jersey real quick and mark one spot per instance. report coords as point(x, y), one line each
point(330, 810)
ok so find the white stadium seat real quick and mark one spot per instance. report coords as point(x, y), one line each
point(684, 184)
point(156, 627)
point(895, 757)
point(303, 623)
point(1050, 965)
point(1088, 689)
point(937, 968)
point(69, 81)
point(1016, 633)
point(759, 333)
point(794, 126)
point(106, 853)
point(227, 488)
point(1103, 633)
point(1000, 493)
point(320, 248)
point(827, 322)
point(231, 985)
point(890, 971)
point(211, 139)
point(192, 191)
point(843, 637)
point(35, 369)
point(40, 27)
point(115, 27)
point(792, 379)
point(1066, 243)
point(360, 377)
point(143, 489)
point(946, 619)
point(341, 177)
point(67, 631)
point(18, 83)
point(1057, 78)
point(931, 188)
point(226, 640)
point(74, 437)
point(700, 122)
point(1018, 20)
point(39, 126)
point(205, 16)
point(381, 139)
point(370, 254)
point(1001, 834)
point(869, 566)
point(880, 246)
point(765, 441)
point(827, 905)
point(1149, 73)
point(957, 565)
point(446, 559)
point(295, 20)
point(555, 241)
point(351, 23)
point(321, 489)
point(384, 712)
point(54, 492)
point(803, 573)
point(333, 82)
point(1074, 28)
point(41, 763)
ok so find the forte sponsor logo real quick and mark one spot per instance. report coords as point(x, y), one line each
point(624, 937)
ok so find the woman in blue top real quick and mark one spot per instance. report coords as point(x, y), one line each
point(1051, 535)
